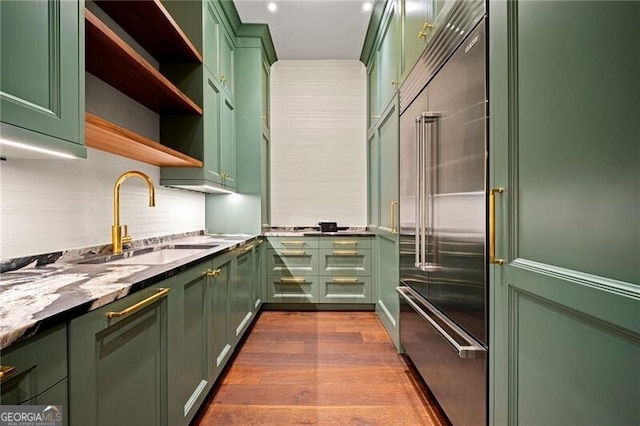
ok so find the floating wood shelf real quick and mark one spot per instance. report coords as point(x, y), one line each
point(106, 136)
point(111, 59)
point(149, 23)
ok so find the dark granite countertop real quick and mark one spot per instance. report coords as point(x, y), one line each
point(38, 292)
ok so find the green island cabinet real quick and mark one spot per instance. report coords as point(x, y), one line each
point(34, 372)
point(324, 270)
point(42, 76)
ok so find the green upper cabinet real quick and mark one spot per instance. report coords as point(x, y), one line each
point(42, 75)
point(266, 93)
point(389, 136)
point(219, 46)
point(228, 142)
point(420, 18)
point(227, 74)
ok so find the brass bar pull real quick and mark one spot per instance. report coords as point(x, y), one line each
point(161, 293)
point(246, 249)
point(346, 280)
point(6, 371)
point(292, 280)
point(345, 252)
point(293, 243)
point(293, 253)
point(345, 243)
point(492, 226)
point(214, 272)
point(392, 215)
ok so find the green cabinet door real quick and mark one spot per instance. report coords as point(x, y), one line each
point(388, 278)
point(258, 275)
point(213, 30)
point(118, 365)
point(373, 89)
point(241, 305)
point(220, 341)
point(226, 76)
point(212, 118)
point(228, 141)
point(189, 360)
point(388, 57)
point(373, 179)
point(389, 137)
point(565, 325)
point(266, 93)
point(42, 74)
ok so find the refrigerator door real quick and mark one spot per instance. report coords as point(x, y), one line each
point(457, 186)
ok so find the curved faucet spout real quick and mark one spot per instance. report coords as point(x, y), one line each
point(117, 237)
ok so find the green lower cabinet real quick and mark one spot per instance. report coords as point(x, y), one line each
point(219, 338)
point(35, 371)
point(292, 261)
point(345, 289)
point(292, 289)
point(188, 358)
point(388, 303)
point(240, 298)
point(345, 262)
point(258, 276)
point(118, 361)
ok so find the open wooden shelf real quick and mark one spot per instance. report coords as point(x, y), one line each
point(111, 59)
point(106, 136)
point(149, 23)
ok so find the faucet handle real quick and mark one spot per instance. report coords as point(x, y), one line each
point(126, 238)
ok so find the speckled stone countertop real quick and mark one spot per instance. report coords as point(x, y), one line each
point(313, 231)
point(37, 292)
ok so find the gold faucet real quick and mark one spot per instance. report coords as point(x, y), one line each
point(117, 231)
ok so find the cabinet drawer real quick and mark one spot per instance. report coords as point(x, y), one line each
point(293, 243)
point(288, 262)
point(39, 363)
point(345, 262)
point(345, 243)
point(345, 289)
point(295, 289)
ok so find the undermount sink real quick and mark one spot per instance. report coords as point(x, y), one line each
point(159, 257)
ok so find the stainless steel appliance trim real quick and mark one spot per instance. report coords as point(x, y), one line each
point(418, 139)
point(471, 350)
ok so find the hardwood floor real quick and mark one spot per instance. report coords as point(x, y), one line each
point(319, 368)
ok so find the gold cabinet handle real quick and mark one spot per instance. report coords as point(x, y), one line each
point(293, 253)
point(346, 280)
point(345, 243)
point(292, 280)
point(161, 293)
point(392, 216)
point(214, 272)
point(345, 252)
point(394, 82)
point(223, 78)
point(426, 27)
point(6, 371)
point(492, 226)
point(375, 117)
point(292, 243)
point(246, 249)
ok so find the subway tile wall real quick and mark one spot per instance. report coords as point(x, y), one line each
point(52, 205)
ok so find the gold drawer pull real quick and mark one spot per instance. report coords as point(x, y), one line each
point(492, 226)
point(345, 252)
point(246, 249)
point(161, 293)
point(293, 243)
point(345, 243)
point(293, 253)
point(6, 371)
point(214, 272)
point(292, 280)
point(346, 280)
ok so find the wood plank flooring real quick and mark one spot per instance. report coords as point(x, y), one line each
point(325, 368)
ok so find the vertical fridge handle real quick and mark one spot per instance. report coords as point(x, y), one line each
point(427, 119)
point(418, 198)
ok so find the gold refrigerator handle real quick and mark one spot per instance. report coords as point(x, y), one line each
point(492, 226)
point(161, 293)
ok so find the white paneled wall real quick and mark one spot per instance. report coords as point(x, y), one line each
point(318, 142)
point(52, 205)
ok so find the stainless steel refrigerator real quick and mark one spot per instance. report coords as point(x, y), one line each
point(443, 238)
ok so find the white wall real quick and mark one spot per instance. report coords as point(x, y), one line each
point(52, 205)
point(318, 142)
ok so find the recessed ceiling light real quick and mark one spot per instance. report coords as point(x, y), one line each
point(366, 6)
point(272, 7)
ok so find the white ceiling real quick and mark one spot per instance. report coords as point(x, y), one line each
point(311, 29)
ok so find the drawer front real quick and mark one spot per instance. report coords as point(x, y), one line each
point(345, 262)
point(345, 243)
point(295, 289)
point(38, 364)
point(289, 262)
point(345, 289)
point(293, 243)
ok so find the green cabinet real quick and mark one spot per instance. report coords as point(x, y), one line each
point(219, 46)
point(258, 275)
point(565, 304)
point(118, 358)
point(42, 76)
point(241, 303)
point(227, 142)
point(388, 278)
point(219, 340)
point(34, 372)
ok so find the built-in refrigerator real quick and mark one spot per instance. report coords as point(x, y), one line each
point(443, 238)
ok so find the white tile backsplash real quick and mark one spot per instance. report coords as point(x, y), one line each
point(52, 205)
point(318, 142)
